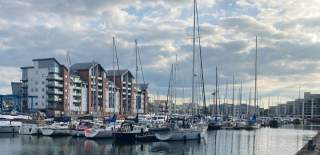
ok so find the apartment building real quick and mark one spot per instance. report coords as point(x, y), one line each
point(78, 95)
point(47, 80)
point(142, 98)
point(125, 81)
point(113, 99)
point(94, 75)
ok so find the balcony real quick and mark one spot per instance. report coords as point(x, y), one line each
point(56, 106)
point(54, 77)
point(54, 99)
point(54, 84)
point(54, 70)
point(76, 100)
point(76, 80)
point(54, 92)
point(76, 94)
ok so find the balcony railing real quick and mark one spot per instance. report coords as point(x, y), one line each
point(54, 99)
point(54, 91)
point(54, 77)
point(54, 70)
point(76, 94)
point(55, 84)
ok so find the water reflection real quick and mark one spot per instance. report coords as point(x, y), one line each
point(264, 141)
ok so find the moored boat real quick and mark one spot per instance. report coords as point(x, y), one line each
point(9, 126)
point(99, 131)
point(56, 129)
point(128, 132)
point(182, 129)
point(29, 129)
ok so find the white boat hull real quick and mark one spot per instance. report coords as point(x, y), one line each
point(55, 132)
point(9, 129)
point(98, 133)
point(9, 126)
point(29, 129)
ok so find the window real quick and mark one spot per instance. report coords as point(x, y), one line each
point(42, 97)
point(42, 82)
point(36, 103)
point(36, 82)
point(42, 89)
point(36, 90)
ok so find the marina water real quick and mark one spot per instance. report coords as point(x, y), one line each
point(264, 141)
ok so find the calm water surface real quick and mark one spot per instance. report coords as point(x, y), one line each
point(265, 141)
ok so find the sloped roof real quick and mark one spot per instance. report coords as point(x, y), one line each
point(82, 66)
point(117, 72)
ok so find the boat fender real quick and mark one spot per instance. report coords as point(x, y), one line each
point(199, 136)
point(184, 138)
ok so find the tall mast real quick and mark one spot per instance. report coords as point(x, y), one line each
point(233, 95)
point(216, 92)
point(204, 104)
point(175, 84)
point(114, 75)
point(255, 75)
point(194, 51)
point(249, 99)
point(69, 65)
point(136, 51)
point(169, 93)
point(240, 97)
point(225, 100)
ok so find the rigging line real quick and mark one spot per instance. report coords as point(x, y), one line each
point(117, 59)
point(201, 64)
point(168, 93)
point(140, 62)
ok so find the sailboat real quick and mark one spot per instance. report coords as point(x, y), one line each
point(215, 122)
point(105, 129)
point(252, 121)
point(185, 128)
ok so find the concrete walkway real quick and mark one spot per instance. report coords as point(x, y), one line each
point(304, 150)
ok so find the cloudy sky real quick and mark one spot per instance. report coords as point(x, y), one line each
point(288, 40)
